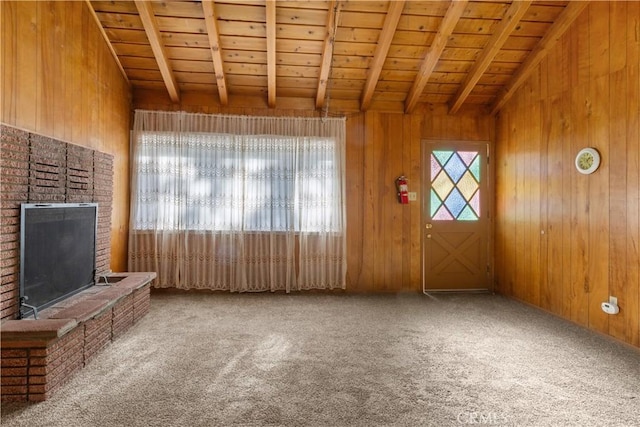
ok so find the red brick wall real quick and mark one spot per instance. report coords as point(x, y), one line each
point(35, 169)
point(32, 372)
point(97, 334)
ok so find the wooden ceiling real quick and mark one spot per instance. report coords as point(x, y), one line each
point(346, 55)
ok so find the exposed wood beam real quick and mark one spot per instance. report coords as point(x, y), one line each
point(216, 52)
point(562, 24)
point(271, 52)
point(500, 35)
point(382, 49)
point(106, 38)
point(327, 51)
point(153, 34)
point(447, 25)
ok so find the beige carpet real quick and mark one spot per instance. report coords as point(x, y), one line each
point(347, 360)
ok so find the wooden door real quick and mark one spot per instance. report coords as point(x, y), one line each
point(456, 223)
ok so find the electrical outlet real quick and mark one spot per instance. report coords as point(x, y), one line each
point(413, 196)
point(611, 307)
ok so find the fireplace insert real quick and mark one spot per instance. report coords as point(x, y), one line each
point(57, 252)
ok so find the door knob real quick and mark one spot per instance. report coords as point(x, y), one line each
point(428, 236)
point(429, 226)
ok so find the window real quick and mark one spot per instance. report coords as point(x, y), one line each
point(455, 185)
point(222, 182)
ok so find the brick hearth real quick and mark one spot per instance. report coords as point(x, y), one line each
point(39, 356)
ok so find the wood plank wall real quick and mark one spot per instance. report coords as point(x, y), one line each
point(383, 237)
point(565, 242)
point(59, 80)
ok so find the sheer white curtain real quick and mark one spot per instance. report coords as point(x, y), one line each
point(238, 203)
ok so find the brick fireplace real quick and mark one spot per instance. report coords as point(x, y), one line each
point(38, 356)
point(37, 169)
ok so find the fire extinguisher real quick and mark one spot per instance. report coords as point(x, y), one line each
point(403, 190)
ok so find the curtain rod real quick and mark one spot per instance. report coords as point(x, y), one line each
point(231, 116)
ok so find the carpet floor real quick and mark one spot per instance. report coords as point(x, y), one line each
point(347, 360)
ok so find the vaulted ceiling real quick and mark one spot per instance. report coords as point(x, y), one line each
point(350, 54)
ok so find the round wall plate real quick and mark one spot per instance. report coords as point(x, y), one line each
point(587, 160)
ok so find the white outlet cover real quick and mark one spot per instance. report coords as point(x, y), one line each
point(609, 308)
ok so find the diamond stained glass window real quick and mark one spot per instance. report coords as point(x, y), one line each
point(455, 185)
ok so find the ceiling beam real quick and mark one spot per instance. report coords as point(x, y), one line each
point(559, 27)
point(271, 52)
point(153, 34)
point(327, 51)
point(106, 38)
point(216, 52)
point(500, 35)
point(382, 49)
point(451, 18)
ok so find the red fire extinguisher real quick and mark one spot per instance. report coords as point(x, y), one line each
point(403, 190)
